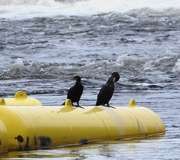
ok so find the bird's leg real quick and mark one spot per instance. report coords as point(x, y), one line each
point(78, 104)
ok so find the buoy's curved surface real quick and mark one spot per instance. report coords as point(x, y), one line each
point(32, 127)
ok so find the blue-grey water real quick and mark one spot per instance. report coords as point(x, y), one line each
point(39, 54)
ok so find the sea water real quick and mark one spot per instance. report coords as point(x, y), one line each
point(45, 42)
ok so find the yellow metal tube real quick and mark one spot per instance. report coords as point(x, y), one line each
point(32, 127)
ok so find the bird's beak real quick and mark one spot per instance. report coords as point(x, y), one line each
point(114, 79)
point(74, 78)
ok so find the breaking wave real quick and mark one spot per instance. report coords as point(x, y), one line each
point(125, 64)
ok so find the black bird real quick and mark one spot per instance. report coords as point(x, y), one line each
point(75, 92)
point(107, 90)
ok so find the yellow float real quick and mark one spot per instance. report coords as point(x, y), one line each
point(20, 99)
point(33, 126)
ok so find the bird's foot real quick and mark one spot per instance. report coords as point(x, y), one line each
point(79, 106)
point(110, 106)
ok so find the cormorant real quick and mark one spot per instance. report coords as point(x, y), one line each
point(107, 90)
point(75, 92)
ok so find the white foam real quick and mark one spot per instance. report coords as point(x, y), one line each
point(41, 8)
point(176, 68)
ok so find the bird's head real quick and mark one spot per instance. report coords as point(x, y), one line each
point(115, 76)
point(76, 78)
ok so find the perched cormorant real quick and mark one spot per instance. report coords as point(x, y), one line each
point(107, 90)
point(75, 92)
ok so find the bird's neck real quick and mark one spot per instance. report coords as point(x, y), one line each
point(78, 82)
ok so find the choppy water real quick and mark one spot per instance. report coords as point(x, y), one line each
point(44, 43)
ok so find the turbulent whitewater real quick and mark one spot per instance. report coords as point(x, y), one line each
point(22, 9)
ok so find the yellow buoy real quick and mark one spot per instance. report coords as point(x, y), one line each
point(20, 99)
point(31, 127)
